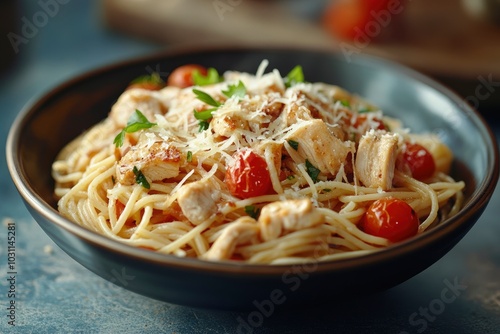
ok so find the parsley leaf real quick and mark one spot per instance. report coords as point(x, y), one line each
point(136, 122)
point(312, 171)
point(140, 178)
point(189, 156)
point(204, 97)
point(204, 115)
point(238, 90)
point(294, 76)
point(294, 144)
point(153, 78)
point(252, 211)
point(212, 77)
point(203, 125)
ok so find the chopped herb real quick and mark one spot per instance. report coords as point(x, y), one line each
point(238, 90)
point(136, 122)
point(204, 97)
point(140, 178)
point(294, 144)
point(312, 171)
point(204, 117)
point(252, 211)
point(294, 76)
point(212, 77)
point(345, 103)
point(290, 177)
point(189, 157)
point(363, 110)
point(203, 125)
point(326, 190)
point(153, 78)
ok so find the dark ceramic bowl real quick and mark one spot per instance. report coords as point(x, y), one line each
point(47, 124)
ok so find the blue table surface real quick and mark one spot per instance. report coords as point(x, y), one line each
point(54, 294)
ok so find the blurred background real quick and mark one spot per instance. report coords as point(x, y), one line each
point(455, 41)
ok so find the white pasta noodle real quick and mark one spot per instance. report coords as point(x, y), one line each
point(193, 211)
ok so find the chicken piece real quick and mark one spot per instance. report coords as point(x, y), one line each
point(198, 200)
point(289, 215)
point(318, 145)
point(146, 101)
point(242, 231)
point(224, 124)
point(376, 159)
point(155, 158)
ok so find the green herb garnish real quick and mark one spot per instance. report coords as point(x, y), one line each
point(312, 171)
point(252, 211)
point(136, 122)
point(204, 97)
point(153, 78)
point(238, 90)
point(294, 76)
point(345, 103)
point(212, 77)
point(294, 144)
point(140, 178)
point(189, 156)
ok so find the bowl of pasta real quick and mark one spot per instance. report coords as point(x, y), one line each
point(224, 177)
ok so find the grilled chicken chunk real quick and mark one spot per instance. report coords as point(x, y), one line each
point(376, 159)
point(290, 215)
point(318, 145)
point(198, 200)
point(155, 158)
point(241, 231)
point(147, 101)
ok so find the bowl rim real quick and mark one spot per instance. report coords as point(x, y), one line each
point(478, 200)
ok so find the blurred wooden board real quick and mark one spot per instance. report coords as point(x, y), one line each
point(436, 37)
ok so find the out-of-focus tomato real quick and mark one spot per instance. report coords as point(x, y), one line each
point(419, 161)
point(347, 18)
point(390, 218)
point(182, 76)
point(248, 175)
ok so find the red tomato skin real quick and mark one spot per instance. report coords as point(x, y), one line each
point(248, 176)
point(182, 76)
point(390, 218)
point(419, 161)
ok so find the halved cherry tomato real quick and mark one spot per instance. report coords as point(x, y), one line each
point(390, 218)
point(419, 161)
point(182, 76)
point(248, 176)
point(348, 19)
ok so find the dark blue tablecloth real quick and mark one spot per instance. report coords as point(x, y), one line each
point(54, 294)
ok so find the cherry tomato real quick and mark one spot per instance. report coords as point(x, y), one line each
point(419, 161)
point(348, 19)
point(182, 76)
point(248, 175)
point(390, 218)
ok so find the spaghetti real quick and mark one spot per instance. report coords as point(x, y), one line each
point(256, 168)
